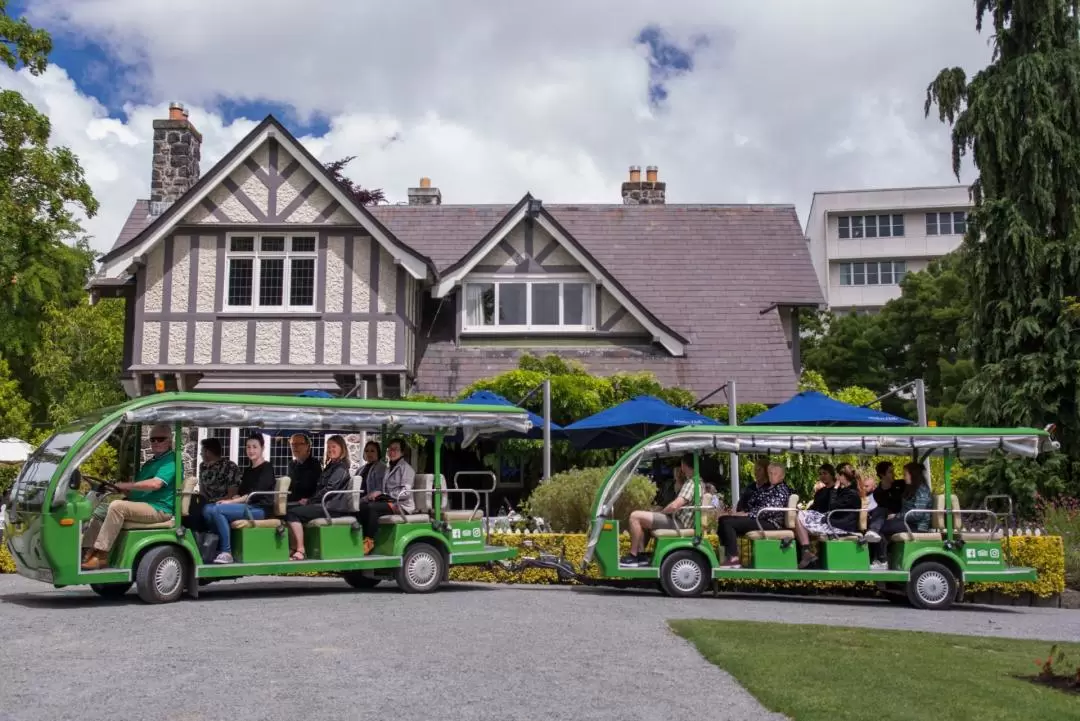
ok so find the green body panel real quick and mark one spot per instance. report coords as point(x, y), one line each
point(845, 556)
point(259, 545)
point(607, 554)
point(466, 536)
point(815, 575)
point(771, 553)
point(332, 543)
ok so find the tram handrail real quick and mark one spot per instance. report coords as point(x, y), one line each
point(955, 511)
point(440, 490)
point(247, 506)
point(344, 492)
point(757, 516)
point(986, 505)
point(828, 517)
point(486, 491)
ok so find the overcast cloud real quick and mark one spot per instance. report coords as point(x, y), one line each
point(737, 101)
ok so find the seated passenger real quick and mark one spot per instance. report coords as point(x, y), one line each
point(916, 495)
point(335, 477)
point(731, 525)
point(219, 478)
point(823, 488)
point(389, 488)
point(304, 470)
point(642, 521)
point(845, 495)
point(259, 476)
point(761, 480)
point(151, 499)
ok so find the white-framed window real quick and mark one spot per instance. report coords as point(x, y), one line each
point(871, 226)
point(534, 304)
point(951, 223)
point(873, 272)
point(270, 272)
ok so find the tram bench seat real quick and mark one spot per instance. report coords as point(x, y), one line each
point(136, 526)
point(674, 533)
point(781, 535)
point(463, 515)
point(258, 523)
point(335, 521)
point(979, 535)
point(906, 537)
point(390, 520)
point(850, 538)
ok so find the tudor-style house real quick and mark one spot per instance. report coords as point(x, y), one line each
point(263, 275)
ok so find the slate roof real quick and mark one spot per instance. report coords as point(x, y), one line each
point(706, 272)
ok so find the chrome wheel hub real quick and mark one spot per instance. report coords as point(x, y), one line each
point(168, 576)
point(685, 575)
point(932, 587)
point(423, 570)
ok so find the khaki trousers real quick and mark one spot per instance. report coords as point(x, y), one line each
point(102, 534)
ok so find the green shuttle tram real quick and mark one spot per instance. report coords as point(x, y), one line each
point(49, 507)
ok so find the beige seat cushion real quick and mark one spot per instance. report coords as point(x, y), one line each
point(784, 535)
point(261, 523)
point(979, 536)
point(849, 539)
point(909, 537)
point(133, 526)
point(411, 518)
point(674, 533)
point(463, 515)
point(336, 521)
point(186, 492)
point(282, 499)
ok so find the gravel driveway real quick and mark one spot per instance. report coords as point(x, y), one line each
point(315, 649)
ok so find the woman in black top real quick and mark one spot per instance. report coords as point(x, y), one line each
point(258, 477)
point(335, 477)
point(843, 496)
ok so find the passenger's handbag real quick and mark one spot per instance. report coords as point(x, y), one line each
point(208, 545)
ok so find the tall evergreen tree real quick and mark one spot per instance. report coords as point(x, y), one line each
point(1020, 119)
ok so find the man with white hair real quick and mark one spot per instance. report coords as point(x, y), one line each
point(150, 499)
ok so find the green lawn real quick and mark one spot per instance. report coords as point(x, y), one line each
point(824, 673)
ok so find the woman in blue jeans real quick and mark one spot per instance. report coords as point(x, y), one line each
point(258, 477)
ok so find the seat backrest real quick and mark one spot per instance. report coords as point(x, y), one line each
point(937, 518)
point(280, 500)
point(187, 490)
point(864, 514)
point(423, 501)
point(706, 502)
point(789, 517)
point(958, 518)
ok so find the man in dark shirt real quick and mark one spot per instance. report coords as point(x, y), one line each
point(304, 470)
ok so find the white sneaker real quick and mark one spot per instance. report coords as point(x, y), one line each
point(879, 566)
point(223, 558)
point(872, 537)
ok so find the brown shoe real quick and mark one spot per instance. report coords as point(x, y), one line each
point(369, 543)
point(97, 561)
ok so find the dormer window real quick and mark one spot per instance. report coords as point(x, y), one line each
point(537, 304)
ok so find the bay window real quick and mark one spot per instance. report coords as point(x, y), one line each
point(546, 304)
point(270, 272)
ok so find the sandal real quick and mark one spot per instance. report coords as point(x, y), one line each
point(298, 556)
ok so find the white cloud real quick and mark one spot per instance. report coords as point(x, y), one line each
point(493, 99)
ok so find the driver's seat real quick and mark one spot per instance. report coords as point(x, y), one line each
point(186, 493)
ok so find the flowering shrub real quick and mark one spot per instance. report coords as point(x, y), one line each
point(1061, 517)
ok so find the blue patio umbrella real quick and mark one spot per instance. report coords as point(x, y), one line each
point(630, 422)
point(811, 408)
point(488, 398)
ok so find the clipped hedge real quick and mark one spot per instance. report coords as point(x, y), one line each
point(1046, 554)
point(7, 563)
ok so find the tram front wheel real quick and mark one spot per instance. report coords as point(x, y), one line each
point(684, 573)
point(932, 586)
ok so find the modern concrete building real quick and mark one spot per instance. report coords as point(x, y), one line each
point(863, 242)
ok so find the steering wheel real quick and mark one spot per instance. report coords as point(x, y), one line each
point(100, 485)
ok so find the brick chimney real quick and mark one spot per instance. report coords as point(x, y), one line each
point(177, 152)
point(649, 192)
point(425, 194)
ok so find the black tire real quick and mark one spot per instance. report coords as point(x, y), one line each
point(422, 569)
point(357, 579)
point(684, 574)
point(110, 590)
point(160, 575)
point(931, 586)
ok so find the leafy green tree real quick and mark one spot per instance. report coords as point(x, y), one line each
point(14, 408)
point(78, 361)
point(847, 349)
point(41, 187)
point(1020, 119)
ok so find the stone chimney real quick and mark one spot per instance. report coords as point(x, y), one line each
point(177, 152)
point(425, 194)
point(649, 192)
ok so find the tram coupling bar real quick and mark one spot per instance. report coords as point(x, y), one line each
point(563, 568)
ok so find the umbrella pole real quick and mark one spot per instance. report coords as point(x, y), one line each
point(547, 429)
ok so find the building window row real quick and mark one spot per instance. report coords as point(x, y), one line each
point(871, 226)
point(954, 223)
point(873, 272)
point(270, 272)
point(531, 305)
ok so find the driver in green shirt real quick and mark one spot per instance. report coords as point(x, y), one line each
point(151, 498)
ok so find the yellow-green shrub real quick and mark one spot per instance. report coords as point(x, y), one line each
point(1043, 553)
point(7, 563)
point(565, 500)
